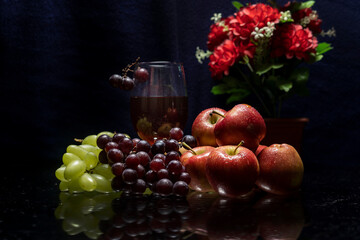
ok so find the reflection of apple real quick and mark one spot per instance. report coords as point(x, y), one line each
point(199, 204)
point(195, 162)
point(281, 169)
point(241, 123)
point(232, 219)
point(280, 217)
point(259, 149)
point(232, 170)
point(203, 126)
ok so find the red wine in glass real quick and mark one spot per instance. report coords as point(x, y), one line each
point(153, 117)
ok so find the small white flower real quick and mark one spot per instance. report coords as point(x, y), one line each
point(257, 33)
point(266, 31)
point(305, 21)
point(269, 29)
point(313, 15)
point(330, 33)
point(201, 54)
point(216, 17)
point(271, 25)
point(286, 16)
point(222, 24)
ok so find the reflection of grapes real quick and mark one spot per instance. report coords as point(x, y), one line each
point(147, 217)
point(85, 213)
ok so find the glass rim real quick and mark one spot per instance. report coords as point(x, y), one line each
point(160, 63)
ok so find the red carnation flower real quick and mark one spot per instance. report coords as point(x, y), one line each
point(292, 40)
point(256, 15)
point(218, 33)
point(314, 23)
point(223, 57)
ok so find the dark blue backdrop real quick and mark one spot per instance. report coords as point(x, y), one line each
point(56, 58)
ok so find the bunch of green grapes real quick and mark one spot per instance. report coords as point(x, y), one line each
point(81, 169)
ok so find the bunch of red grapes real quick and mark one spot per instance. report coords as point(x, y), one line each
point(137, 165)
point(125, 82)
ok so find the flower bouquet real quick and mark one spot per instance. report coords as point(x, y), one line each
point(261, 49)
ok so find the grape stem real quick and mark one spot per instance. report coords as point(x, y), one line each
point(240, 144)
point(79, 140)
point(129, 66)
point(216, 112)
point(188, 148)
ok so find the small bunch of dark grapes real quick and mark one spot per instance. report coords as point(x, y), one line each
point(146, 217)
point(137, 165)
point(124, 82)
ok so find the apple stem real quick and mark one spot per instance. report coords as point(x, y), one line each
point(216, 112)
point(188, 147)
point(240, 144)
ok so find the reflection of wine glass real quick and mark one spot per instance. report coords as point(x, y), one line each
point(160, 103)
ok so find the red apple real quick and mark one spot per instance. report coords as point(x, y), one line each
point(241, 123)
point(281, 169)
point(203, 126)
point(232, 170)
point(195, 161)
point(259, 149)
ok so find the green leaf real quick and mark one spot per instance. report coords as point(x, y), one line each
point(219, 89)
point(323, 48)
point(307, 4)
point(299, 6)
point(266, 68)
point(238, 95)
point(318, 57)
point(231, 82)
point(285, 86)
point(237, 4)
point(315, 58)
point(300, 78)
point(233, 86)
point(302, 74)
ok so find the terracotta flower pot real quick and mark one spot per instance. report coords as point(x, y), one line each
point(285, 130)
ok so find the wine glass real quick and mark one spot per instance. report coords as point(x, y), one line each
point(160, 102)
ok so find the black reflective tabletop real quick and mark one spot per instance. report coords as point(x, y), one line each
point(327, 207)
